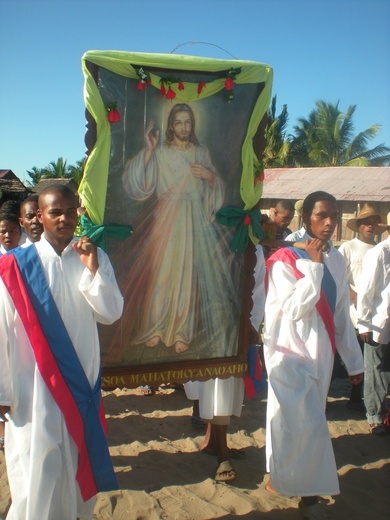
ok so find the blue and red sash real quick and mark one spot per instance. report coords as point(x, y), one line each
point(327, 303)
point(24, 277)
point(254, 380)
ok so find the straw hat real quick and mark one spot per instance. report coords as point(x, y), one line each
point(366, 211)
point(298, 207)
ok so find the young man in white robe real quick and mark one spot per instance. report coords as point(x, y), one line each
point(365, 224)
point(29, 220)
point(305, 320)
point(219, 399)
point(10, 234)
point(56, 453)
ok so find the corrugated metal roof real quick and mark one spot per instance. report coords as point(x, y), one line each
point(345, 183)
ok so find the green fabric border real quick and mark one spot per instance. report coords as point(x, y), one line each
point(93, 186)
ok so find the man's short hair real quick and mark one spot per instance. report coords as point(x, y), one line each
point(11, 206)
point(285, 204)
point(313, 198)
point(30, 198)
point(56, 188)
point(10, 216)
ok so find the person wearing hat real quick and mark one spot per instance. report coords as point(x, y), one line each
point(365, 224)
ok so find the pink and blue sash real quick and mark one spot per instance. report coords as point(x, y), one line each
point(327, 303)
point(24, 277)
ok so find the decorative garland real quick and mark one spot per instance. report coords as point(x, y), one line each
point(166, 84)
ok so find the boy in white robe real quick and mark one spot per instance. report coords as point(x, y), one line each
point(42, 456)
point(299, 340)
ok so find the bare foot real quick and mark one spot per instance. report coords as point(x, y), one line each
point(153, 342)
point(180, 346)
point(270, 489)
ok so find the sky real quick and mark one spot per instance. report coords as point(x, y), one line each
point(332, 50)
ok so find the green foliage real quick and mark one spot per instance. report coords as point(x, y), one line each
point(277, 143)
point(326, 138)
point(57, 170)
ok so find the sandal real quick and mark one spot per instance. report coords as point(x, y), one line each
point(146, 390)
point(378, 428)
point(225, 472)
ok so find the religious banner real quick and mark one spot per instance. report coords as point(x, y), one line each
point(170, 189)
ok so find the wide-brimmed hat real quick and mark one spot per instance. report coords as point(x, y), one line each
point(366, 211)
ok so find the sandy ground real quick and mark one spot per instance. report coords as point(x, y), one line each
point(162, 475)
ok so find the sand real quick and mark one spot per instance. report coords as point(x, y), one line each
point(162, 474)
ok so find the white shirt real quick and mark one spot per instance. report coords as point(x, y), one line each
point(27, 243)
point(374, 293)
point(354, 251)
point(296, 236)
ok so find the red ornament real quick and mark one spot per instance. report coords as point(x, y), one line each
point(163, 89)
point(180, 85)
point(171, 94)
point(113, 116)
point(201, 86)
point(141, 85)
point(247, 220)
point(259, 178)
point(229, 83)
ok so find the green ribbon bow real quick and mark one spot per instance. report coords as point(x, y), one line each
point(233, 216)
point(99, 234)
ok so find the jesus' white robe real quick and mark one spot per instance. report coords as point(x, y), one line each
point(41, 457)
point(299, 361)
point(177, 280)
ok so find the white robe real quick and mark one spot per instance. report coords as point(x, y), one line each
point(181, 235)
point(299, 361)
point(224, 397)
point(41, 457)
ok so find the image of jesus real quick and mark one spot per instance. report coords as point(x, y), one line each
point(179, 285)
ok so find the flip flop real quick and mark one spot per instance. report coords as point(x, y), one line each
point(225, 472)
point(234, 454)
point(146, 390)
point(378, 429)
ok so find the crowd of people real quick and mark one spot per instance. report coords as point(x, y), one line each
point(310, 301)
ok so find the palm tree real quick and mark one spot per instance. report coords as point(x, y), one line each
point(76, 171)
point(36, 174)
point(326, 138)
point(57, 169)
point(276, 143)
